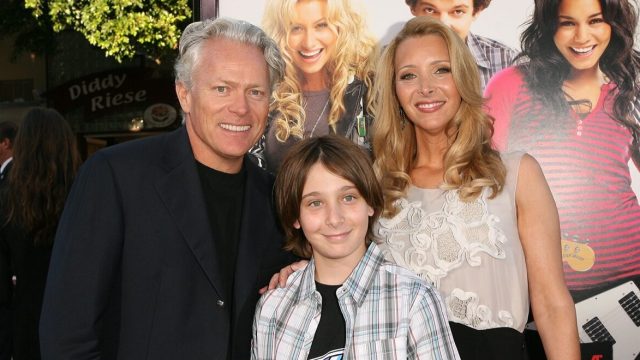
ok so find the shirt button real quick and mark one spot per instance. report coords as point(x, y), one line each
point(220, 303)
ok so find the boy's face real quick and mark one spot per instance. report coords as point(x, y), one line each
point(334, 217)
point(457, 14)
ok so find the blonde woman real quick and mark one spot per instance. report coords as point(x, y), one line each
point(483, 228)
point(328, 52)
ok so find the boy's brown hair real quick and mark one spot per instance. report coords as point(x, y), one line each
point(341, 157)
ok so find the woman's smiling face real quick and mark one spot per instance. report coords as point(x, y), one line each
point(311, 39)
point(582, 35)
point(424, 84)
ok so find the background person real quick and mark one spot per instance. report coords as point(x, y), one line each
point(164, 242)
point(490, 55)
point(8, 131)
point(348, 302)
point(328, 55)
point(45, 163)
point(481, 227)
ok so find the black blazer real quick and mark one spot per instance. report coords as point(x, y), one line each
point(133, 273)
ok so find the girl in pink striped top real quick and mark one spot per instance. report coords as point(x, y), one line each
point(571, 107)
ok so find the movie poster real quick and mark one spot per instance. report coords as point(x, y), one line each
point(503, 21)
point(589, 166)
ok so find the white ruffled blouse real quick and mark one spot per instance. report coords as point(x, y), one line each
point(470, 251)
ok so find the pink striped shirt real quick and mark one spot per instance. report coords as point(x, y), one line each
point(585, 162)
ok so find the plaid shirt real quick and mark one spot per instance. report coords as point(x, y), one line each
point(389, 313)
point(491, 56)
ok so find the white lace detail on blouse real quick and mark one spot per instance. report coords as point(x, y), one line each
point(433, 244)
point(445, 239)
point(465, 308)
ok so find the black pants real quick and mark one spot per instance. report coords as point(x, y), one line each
point(495, 344)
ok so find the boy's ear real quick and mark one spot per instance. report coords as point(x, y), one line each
point(370, 212)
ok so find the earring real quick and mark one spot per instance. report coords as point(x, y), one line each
point(403, 119)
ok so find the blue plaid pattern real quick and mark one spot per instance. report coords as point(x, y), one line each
point(491, 56)
point(389, 313)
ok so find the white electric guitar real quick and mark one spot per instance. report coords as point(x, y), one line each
point(613, 315)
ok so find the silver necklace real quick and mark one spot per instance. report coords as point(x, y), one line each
point(319, 117)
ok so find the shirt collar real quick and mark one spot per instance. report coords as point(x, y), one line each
point(473, 42)
point(5, 163)
point(357, 284)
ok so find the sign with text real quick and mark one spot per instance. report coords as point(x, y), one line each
point(112, 101)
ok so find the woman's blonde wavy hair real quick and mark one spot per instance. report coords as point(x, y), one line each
point(354, 54)
point(470, 162)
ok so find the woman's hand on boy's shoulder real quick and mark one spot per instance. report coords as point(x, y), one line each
point(279, 279)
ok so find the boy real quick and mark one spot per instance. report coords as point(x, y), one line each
point(348, 302)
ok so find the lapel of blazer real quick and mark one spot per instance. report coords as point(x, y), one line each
point(257, 217)
point(5, 171)
point(181, 191)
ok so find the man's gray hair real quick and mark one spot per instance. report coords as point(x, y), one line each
point(236, 30)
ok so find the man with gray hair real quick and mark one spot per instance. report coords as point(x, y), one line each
point(164, 242)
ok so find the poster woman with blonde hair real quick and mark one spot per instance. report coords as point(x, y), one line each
point(328, 54)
